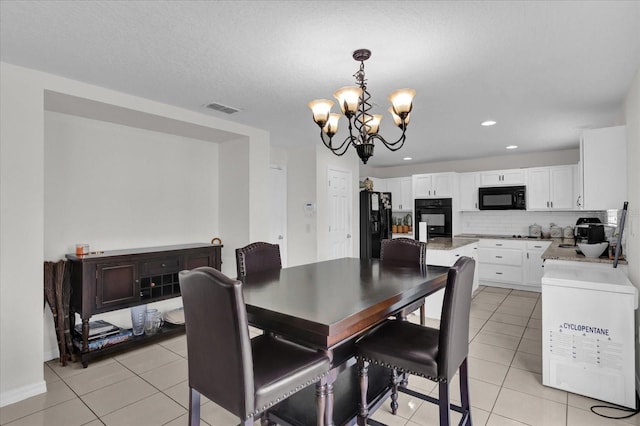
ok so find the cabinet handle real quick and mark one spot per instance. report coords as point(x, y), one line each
point(498, 257)
point(547, 204)
point(537, 247)
point(527, 255)
point(163, 265)
point(498, 245)
point(498, 273)
point(551, 204)
point(578, 203)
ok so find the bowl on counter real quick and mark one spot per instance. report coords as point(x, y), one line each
point(593, 250)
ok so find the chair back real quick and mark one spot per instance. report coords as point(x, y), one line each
point(218, 344)
point(403, 249)
point(257, 257)
point(453, 345)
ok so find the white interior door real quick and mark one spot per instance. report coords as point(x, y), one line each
point(340, 233)
point(278, 209)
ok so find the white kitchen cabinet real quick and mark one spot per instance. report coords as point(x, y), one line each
point(401, 193)
point(603, 159)
point(501, 262)
point(433, 302)
point(503, 177)
point(434, 185)
point(468, 184)
point(552, 188)
point(534, 263)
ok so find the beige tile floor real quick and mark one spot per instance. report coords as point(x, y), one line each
point(147, 386)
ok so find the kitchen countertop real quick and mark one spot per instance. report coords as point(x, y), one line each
point(569, 253)
point(504, 237)
point(441, 243)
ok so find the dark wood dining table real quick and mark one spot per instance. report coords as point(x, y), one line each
point(328, 305)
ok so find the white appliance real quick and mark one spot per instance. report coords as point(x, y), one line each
point(588, 331)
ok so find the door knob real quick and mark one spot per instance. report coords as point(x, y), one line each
point(280, 237)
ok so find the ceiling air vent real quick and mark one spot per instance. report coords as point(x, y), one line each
point(222, 108)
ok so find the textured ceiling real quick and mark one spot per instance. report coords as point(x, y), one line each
point(543, 70)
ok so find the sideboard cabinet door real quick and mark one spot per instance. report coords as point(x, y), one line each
point(117, 284)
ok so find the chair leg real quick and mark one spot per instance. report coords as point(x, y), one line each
point(443, 397)
point(423, 315)
point(321, 401)
point(363, 371)
point(394, 391)
point(194, 407)
point(464, 391)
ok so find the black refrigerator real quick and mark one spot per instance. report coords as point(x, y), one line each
point(375, 222)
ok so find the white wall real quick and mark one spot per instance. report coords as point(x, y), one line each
point(515, 161)
point(515, 222)
point(21, 228)
point(632, 228)
point(116, 187)
point(301, 188)
point(22, 202)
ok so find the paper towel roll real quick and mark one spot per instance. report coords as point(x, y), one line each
point(422, 231)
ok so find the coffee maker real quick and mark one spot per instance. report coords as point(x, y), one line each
point(589, 230)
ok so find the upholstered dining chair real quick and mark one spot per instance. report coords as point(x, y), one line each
point(409, 348)
point(410, 251)
point(244, 376)
point(256, 257)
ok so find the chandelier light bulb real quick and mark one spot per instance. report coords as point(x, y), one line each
point(321, 108)
point(402, 100)
point(397, 120)
point(348, 98)
point(331, 128)
point(371, 123)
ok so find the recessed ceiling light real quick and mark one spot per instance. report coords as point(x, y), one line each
point(407, 158)
point(488, 123)
point(511, 146)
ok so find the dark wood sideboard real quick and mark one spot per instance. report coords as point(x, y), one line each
point(118, 279)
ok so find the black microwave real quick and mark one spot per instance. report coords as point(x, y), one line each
point(502, 198)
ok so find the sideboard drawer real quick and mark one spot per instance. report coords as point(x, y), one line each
point(162, 266)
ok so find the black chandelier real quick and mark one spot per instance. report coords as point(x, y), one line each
point(354, 103)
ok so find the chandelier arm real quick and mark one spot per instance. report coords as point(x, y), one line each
point(391, 146)
point(340, 150)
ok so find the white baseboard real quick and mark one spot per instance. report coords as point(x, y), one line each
point(24, 392)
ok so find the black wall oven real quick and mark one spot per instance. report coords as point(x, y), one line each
point(502, 198)
point(436, 212)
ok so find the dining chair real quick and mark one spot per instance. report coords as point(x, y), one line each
point(435, 354)
point(257, 257)
point(410, 251)
point(244, 376)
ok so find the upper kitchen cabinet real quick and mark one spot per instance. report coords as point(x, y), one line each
point(401, 193)
point(603, 160)
point(468, 184)
point(552, 188)
point(434, 185)
point(502, 177)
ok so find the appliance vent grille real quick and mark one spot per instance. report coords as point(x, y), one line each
point(222, 108)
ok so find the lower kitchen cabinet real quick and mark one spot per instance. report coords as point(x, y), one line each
point(500, 262)
point(534, 263)
point(433, 303)
point(511, 264)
